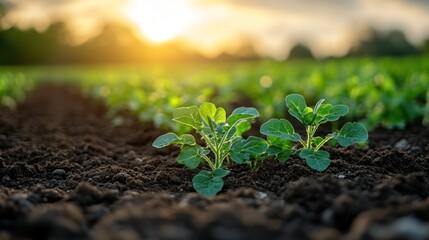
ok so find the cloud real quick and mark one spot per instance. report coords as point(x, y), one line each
point(329, 27)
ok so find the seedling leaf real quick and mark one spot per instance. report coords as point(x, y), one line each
point(187, 139)
point(281, 128)
point(281, 149)
point(242, 128)
point(220, 172)
point(317, 106)
point(351, 133)
point(190, 156)
point(327, 112)
point(296, 104)
point(209, 183)
point(165, 140)
point(243, 149)
point(242, 113)
point(284, 155)
point(189, 116)
point(318, 161)
point(209, 111)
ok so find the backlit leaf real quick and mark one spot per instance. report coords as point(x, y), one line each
point(165, 140)
point(189, 116)
point(242, 113)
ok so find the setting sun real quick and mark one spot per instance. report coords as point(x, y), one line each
point(160, 20)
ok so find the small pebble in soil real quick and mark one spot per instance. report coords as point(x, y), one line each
point(59, 174)
point(402, 145)
point(137, 162)
point(121, 177)
point(261, 195)
point(340, 176)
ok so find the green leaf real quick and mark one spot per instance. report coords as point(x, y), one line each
point(308, 116)
point(284, 155)
point(280, 128)
point(243, 149)
point(187, 139)
point(189, 116)
point(273, 150)
point(327, 112)
point(281, 149)
point(296, 104)
point(339, 111)
point(220, 172)
point(242, 113)
point(351, 133)
point(242, 128)
point(277, 141)
point(240, 157)
point(318, 161)
point(255, 145)
point(190, 156)
point(208, 111)
point(317, 106)
point(209, 183)
point(220, 115)
point(165, 140)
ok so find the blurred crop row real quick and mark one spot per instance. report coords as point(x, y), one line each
point(387, 92)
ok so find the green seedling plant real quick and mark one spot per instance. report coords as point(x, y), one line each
point(222, 142)
point(281, 134)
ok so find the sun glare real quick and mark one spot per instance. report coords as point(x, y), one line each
point(160, 20)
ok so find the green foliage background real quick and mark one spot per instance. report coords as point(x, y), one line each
point(387, 92)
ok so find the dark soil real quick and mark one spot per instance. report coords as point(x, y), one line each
point(67, 173)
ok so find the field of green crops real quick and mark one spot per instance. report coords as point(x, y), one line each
point(386, 92)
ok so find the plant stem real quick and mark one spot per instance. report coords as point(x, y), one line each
point(308, 130)
point(322, 143)
point(209, 162)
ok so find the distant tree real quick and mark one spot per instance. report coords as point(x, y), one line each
point(393, 43)
point(300, 51)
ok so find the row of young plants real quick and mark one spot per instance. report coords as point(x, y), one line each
point(383, 92)
point(14, 86)
point(224, 144)
point(387, 92)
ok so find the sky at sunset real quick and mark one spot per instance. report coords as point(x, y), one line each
point(328, 27)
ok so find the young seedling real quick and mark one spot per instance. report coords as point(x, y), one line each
point(280, 132)
point(222, 139)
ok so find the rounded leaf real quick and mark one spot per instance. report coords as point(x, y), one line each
point(243, 149)
point(188, 115)
point(242, 113)
point(296, 104)
point(165, 140)
point(209, 183)
point(318, 161)
point(351, 133)
point(209, 111)
point(280, 128)
point(190, 156)
point(187, 139)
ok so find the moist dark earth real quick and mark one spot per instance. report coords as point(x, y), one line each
point(67, 173)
